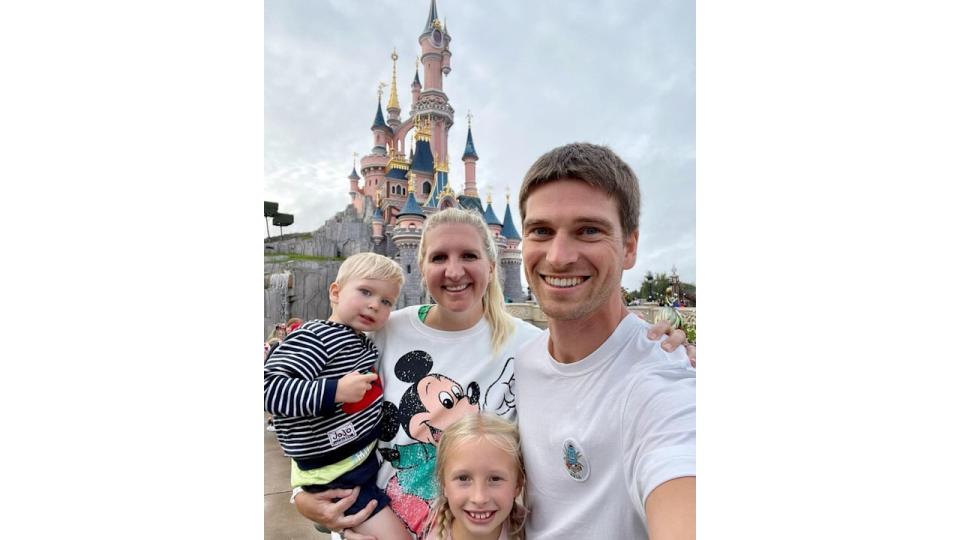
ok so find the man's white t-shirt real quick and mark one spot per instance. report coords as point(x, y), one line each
point(600, 434)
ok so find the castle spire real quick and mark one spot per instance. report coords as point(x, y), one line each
point(394, 102)
point(431, 16)
point(469, 151)
point(509, 229)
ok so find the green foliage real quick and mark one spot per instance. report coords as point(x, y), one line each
point(691, 330)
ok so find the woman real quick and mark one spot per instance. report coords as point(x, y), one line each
point(438, 363)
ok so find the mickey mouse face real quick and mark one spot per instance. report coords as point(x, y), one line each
point(445, 403)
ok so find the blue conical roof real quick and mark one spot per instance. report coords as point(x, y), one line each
point(509, 231)
point(422, 158)
point(416, 79)
point(430, 17)
point(354, 175)
point(378, 121)
point(470, 151)
point(412, 207)
point(490, 216)
point(377, 214)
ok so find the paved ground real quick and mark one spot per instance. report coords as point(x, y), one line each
point(280, 518)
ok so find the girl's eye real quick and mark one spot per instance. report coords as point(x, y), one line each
point(462, 478)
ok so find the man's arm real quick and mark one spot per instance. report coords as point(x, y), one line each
point(672, 510)
point(319, 508)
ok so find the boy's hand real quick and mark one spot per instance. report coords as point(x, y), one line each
point(352, 387)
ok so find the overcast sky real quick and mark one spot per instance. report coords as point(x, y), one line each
point(535, 75)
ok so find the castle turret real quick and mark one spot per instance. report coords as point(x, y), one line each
point(374, 165)
point(511, 260)
point(470, 158)
point(415, 86)
point(493, 222)
point(432, 104)
point(446, 54)
point(381, 132)
point(406, 237)
point(356, 198)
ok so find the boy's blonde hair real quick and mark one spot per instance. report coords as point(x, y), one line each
point(369, 265)
point(494, 307)
point(501, 433)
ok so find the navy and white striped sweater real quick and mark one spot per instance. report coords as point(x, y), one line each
point(299, 385)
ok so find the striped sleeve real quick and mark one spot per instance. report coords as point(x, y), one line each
point(292, 382)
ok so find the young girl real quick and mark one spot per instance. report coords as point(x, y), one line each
point(480, 475)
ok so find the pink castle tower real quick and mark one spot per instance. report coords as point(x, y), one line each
point(356, 198)
point(373, 166)
point(470, 158)
point(432, 103)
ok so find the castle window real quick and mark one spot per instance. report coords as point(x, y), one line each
point(408, 268)
point(426, 188)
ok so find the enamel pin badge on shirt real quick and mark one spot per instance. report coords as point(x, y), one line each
point(575, 461)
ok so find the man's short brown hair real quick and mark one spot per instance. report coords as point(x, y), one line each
point(597, 166)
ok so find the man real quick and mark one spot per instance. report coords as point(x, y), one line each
point(617, 457)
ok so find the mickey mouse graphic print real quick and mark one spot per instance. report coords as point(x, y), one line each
point(431, 378)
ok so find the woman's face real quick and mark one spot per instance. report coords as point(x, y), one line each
point(456, 268)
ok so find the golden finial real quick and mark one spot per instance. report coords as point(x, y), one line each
point(394, 103)
point(436, 24)
point(423, 128)
point(489, 196)
point(508, 195)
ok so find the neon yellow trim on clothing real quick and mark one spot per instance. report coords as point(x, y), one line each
point(325, 475)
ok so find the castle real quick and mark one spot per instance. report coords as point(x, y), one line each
point(404, 179)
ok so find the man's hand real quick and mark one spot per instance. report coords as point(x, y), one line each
point(352, 387)
point(320, 508)
point(675, 338)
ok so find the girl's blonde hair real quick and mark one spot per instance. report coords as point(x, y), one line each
point(494, 307)
point(499, 432)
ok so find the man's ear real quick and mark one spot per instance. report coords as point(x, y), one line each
point(334, 293)
point(630, 249)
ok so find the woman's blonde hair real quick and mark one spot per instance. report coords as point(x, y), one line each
point(501, 433)
point(494, 307)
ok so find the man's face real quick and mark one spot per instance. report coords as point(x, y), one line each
point(574, 250)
